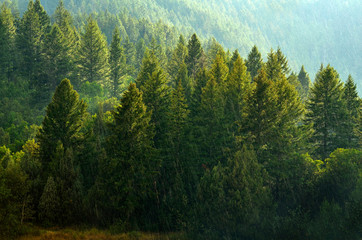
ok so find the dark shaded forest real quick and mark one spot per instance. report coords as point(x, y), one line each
point(120, 123)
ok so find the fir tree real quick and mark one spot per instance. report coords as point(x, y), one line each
point(58, 62)
point(177, 59)
point(7, 42)
point(93, 53)
point(63, 121)
point(117, 62)
point(132, 162)
point(304, 80)
point(254, 62)
point(326, 111)
point(353, 105)
point(194, 54)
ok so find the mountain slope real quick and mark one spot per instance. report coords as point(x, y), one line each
point(309, 32)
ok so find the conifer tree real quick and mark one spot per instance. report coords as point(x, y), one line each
point(200, 82)
point(326, 111)
point(63, 121)
point(194, 54)
point(353, 105)
point(219, 69)
point(177, 59)
point(132, 163)
point(237, 90)
point(7, 42)
point(235, 56)
point(233, 200)
point(304, 80)
point(182, 76)
point(130, 53)
point(213, 138)
point(44, 18)
point(57, 56)
point(93, 53)
point(254, 62)
point(117, 62)
point(30, 43)
point(49, 205)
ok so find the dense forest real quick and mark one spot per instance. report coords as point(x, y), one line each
point(309, 31)
point(118, 122)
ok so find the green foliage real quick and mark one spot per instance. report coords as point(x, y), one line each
point(93, 53)
point(233, 200)
point(326, 111)
point(254, 62)
point(131, 166)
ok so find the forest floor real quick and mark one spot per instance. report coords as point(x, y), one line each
point(96, 234)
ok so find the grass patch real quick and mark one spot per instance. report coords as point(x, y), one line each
point(96, 234)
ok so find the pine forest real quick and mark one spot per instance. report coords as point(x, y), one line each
point(176, 125)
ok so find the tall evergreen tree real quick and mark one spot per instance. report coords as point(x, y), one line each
point(30, 43)
point(236, 92)
point(62, 123)
point(7, 42)
point(93, 53)
point(353, 105)
point(304, 80)
point(194, 54)
point(58, 62)
point(177, 59)
point(326, 111)
point(132, 164)
point(117, 62)
point(254, 62)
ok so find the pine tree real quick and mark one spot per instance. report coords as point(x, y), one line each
point(93, 53)
point(194, 55)
point(177, 59)
point(117, 62)
point(182, 76)
point(353, 105)
point(326, 111)
point(132, 163)
point(130, 53)
point(30, 42)
point(237, 89)
point(304, 80)
point(44, 18)
point(254, 62)
point(58, 62)
point(63, 121)
point(235, 56)
point(156, 98)
point(219, 69)
point(49, 205)
point(7, 42)
point(233, 200)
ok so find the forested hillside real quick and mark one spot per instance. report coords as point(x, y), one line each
point(124, 124)
point(309, 32)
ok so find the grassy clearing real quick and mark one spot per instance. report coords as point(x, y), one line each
point(95, 234)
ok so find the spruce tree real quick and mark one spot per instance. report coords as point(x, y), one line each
point(326, 111)
point(30, 43)
point(254, 62)
point(353, 105)
point(194, 55)
point(177, 59)
point(93, 53)
point(219, 69)
point(63, 122)
point(233, 200)
point(57, 56)
point(304, 80)
point(7, 42)
point(117, 62)
point(130, 53)
point(236, 92)
point(132, 164)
